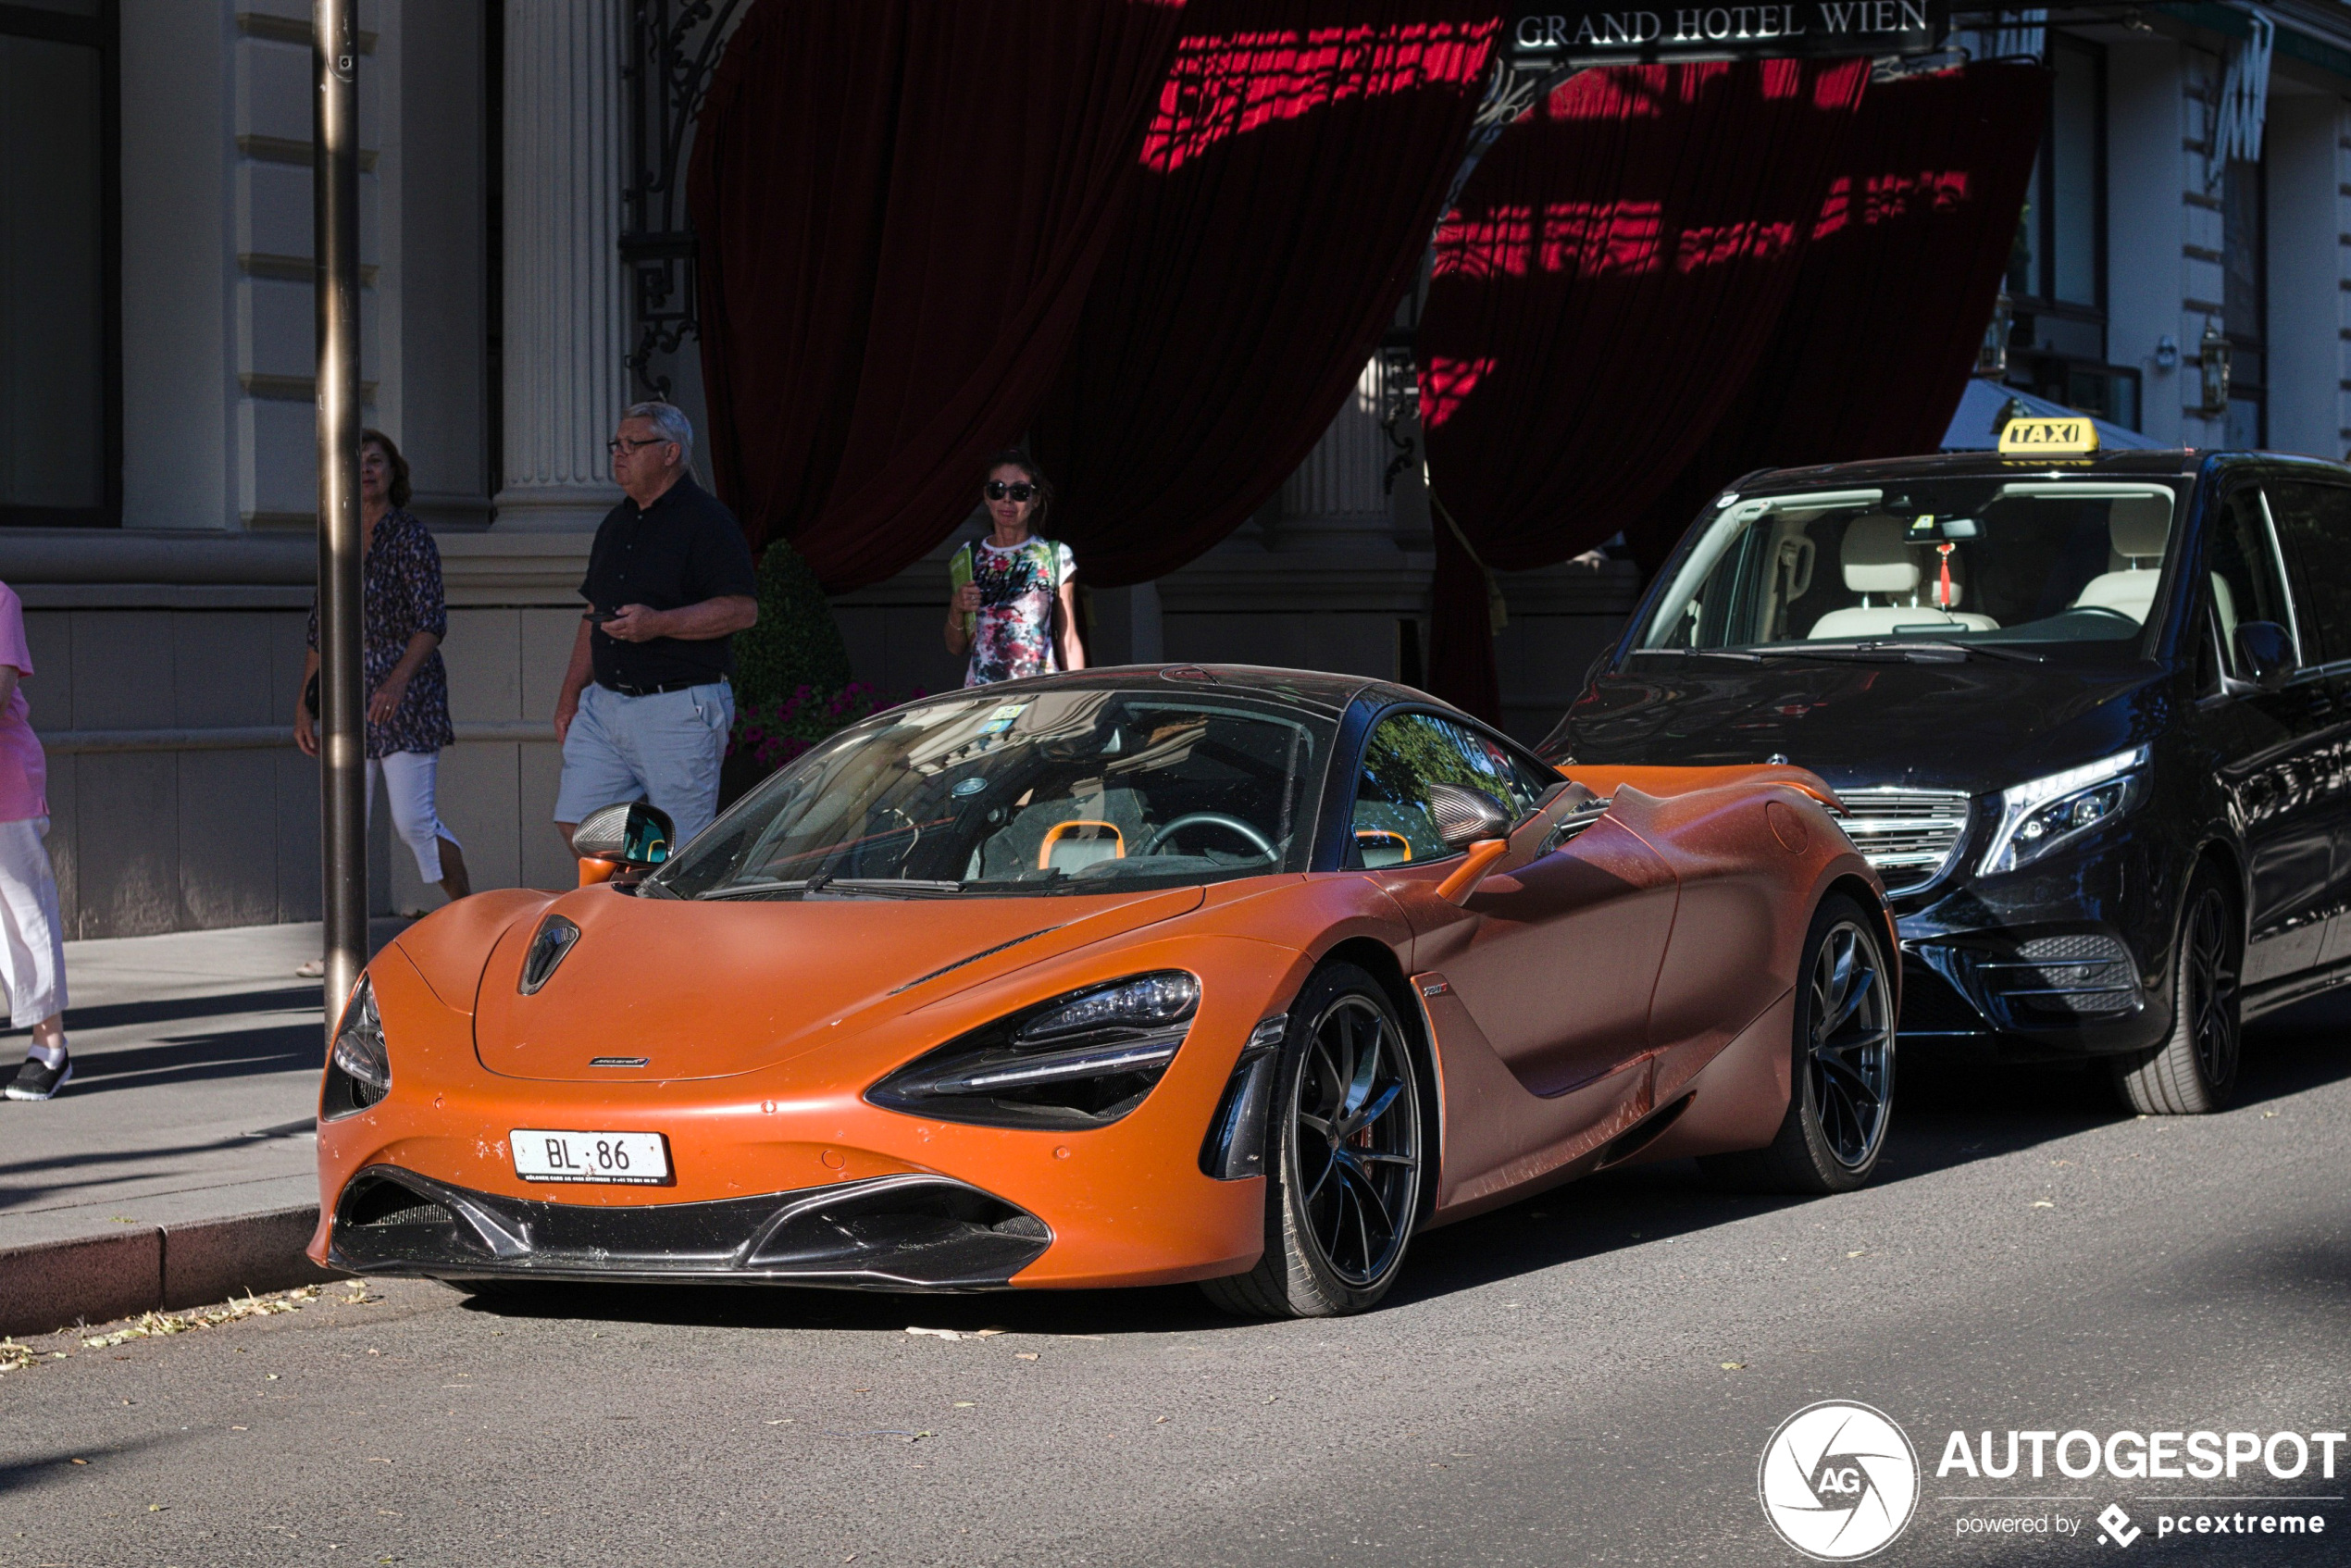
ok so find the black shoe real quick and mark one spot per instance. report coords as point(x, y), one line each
point(38, 1080)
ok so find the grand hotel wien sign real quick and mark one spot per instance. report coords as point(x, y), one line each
point(1618, 35)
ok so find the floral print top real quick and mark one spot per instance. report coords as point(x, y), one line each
point(1012, 633)
point(400, 594)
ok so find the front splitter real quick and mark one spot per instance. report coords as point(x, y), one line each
point(887, 1233)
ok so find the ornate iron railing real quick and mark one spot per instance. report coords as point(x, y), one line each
point(673, 48)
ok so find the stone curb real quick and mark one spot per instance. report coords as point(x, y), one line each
point(155, 1268)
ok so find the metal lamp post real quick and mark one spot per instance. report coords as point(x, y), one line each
point(342, 816)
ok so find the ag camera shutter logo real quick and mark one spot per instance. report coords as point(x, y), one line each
point(1839, 1481)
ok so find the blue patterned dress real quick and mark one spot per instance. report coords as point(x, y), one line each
point(400, 594)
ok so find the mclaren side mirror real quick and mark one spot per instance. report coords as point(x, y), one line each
point(635, 837)
point(2265, 652)
point(1465, 817)
point(1474, 821)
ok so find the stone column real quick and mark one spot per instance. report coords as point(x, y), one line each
point(564, 330)
point(1335, 501)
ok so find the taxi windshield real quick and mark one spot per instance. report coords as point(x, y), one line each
point(1003, 794)
point(1971, 562)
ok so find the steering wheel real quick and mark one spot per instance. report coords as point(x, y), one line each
point(1263, 845)
point(2102, 610)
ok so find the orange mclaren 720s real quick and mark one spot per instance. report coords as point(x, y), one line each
point(1131, 977)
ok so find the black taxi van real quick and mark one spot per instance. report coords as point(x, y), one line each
point(2089, 715)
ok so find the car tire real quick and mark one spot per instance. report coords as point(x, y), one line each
point(1350, 1144)
point(2194, 1072)
point(1841, 1084)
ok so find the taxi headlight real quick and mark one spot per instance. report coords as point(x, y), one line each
point(1082, 1060)
point(359, 1068)
point(2043, 814)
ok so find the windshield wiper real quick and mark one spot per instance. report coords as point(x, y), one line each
point(825, 882)
point(1916, 653)
point(888, 886)
point(1740, 654)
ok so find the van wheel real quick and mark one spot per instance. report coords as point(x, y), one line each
point(2195, 1071)
point(1344, 1191)
point(1841, 1091)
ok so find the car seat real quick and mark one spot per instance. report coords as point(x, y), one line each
point(1876, 558)
point(1068, 833)
point(2139, 527)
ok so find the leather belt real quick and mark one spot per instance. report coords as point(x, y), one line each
point(663, 687)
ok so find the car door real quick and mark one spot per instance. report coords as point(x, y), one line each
point(2315, 519)
point(1556, 953)
point(2272, 747)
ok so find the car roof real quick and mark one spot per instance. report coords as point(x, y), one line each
point(1322, 692)
point(2168, 464)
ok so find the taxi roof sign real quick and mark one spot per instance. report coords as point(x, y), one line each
point(2073, 437)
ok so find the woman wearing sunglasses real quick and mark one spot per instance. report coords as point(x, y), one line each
point(1015, 607)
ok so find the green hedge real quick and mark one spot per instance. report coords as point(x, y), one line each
point(796, 643)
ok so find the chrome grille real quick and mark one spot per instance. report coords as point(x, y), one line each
point(1908, 836)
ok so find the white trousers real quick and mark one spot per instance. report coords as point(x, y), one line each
point(408, 783)
point(33, 944)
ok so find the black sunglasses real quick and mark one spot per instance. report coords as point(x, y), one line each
point(997, 490)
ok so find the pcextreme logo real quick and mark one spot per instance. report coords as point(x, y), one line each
point(1839, 1481)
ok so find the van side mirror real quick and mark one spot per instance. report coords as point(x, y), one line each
point(1464, 816)
point(2265, 652)
point(636, 836)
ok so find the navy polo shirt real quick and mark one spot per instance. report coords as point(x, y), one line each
point(683, 548)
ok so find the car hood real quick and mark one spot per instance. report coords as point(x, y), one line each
point(710, 988)
point(1977, 726)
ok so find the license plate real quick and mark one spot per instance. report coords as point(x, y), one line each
point(634, 1159)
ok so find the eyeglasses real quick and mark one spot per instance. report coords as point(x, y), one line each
point(997, 490)
point(618, 443)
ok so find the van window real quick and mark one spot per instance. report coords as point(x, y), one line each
point(2044, 559)
point(2243, 565)
point(2316, 521)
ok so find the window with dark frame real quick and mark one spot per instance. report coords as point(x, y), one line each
point(60, 266)
point(2057, 272)
point(2245, 265)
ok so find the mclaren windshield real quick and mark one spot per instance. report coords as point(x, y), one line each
point(1057, 791)
point(1938, 568)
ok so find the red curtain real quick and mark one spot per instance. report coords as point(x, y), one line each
point(1880, 334)
point(1616, 267)
point(901, 207)
point(1285, 196)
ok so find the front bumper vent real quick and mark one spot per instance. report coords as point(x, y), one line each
point(2059, 981)
point(897, 1233)
point(1909, 837)
point(2084, 976)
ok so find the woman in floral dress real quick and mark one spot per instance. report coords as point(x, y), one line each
point(1015, 605)
point(405, 618)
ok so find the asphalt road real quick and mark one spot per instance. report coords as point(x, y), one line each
point(1548, 1387)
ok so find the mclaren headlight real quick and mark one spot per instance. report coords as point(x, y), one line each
point(359, 1067)
point(2043, 813)
point(1082, 1060)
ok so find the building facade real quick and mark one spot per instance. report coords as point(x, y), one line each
point(157, 475)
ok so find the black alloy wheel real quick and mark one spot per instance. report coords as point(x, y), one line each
point(2194, 1072)
point(1347, 1185)
point(1841, 1091)
point(1852, 1062)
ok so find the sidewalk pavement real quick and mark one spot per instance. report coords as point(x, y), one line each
point(181, 1163)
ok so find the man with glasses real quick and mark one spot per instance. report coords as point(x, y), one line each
point(646, 705)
